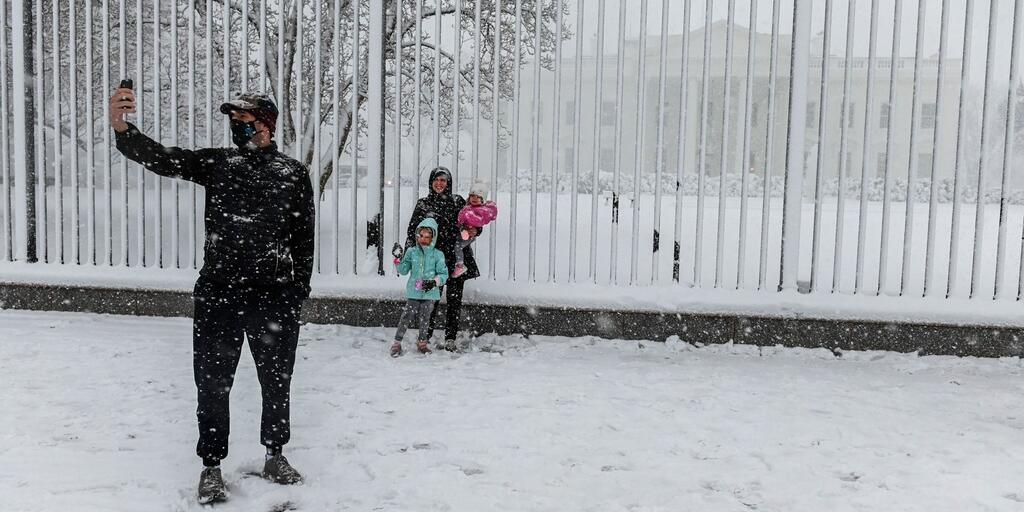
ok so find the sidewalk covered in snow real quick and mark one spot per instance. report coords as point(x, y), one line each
point(100, 416)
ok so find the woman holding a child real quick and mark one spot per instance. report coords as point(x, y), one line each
point(453, 239)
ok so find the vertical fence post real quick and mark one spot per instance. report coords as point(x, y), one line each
point(6, 127)
point(1008, 147)
point(747, 156)
point(702, 157)
point(684, 102)
point(723, 169)
point(24, 135)
point(915, 124)
point(317, 127)
point(793, 199)
point(375, 158)
point(514, 147)
point(867, 145)
point(492, 247)
point(336, 140)
point(354, 134)
point(596, 165)
point(961, 150)
point(769, 150)
point(890, 149)
point(640, 133)
point(933, 200)
point(457, 96)
point(987, 111)
point(819, 178)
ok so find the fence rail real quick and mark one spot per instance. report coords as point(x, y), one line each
point(860, 147)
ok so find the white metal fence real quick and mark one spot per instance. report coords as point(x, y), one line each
point(853, 146)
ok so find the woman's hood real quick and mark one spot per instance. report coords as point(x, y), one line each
point(440, 171)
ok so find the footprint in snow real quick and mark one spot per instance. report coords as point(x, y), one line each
point(852, 476)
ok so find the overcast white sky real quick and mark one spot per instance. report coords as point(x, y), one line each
point(862, 16)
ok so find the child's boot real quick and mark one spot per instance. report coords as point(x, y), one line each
point(396, 349)
point(423, 346)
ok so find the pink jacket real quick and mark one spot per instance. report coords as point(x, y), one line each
point(478, 216)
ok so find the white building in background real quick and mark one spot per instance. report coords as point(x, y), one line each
point(604, 111)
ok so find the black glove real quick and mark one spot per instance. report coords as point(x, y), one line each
point(428, 285)
point(397, 251)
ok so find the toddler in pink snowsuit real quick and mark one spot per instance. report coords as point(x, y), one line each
point(477, 213)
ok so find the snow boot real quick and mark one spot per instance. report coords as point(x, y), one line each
point(278, 470)
point(423, 346)
point(211, 486)
point(396, 349)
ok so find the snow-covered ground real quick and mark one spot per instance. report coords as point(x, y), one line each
point(99, 415)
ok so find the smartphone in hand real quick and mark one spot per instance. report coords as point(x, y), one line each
point(126, 83)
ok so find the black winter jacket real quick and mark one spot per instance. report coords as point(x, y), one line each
point(259, 208)
point(444, 208)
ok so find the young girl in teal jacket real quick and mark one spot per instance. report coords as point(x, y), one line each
point(427, 274)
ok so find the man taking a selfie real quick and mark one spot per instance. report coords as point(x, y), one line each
point(258, 258)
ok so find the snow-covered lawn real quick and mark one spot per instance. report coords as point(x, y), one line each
point(98, 414)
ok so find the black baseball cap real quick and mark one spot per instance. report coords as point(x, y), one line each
point(258, 103)
point(251, 101)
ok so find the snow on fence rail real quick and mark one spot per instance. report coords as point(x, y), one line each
point(725, 143)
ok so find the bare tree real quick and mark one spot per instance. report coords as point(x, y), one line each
point(245, 22)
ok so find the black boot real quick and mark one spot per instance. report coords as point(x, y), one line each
point(278, 470)
point(211, 486)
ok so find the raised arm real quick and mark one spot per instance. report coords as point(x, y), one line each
point(172, 162)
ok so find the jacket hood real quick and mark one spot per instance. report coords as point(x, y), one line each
point(440, 171)
point(431, 224)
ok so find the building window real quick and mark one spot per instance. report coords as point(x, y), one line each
point(851, 114)
point(883, 120)
point(928, 115)
point(607, 162)
point(924, 164)
point(608, 113)
point(812, 114)
point(880, 167)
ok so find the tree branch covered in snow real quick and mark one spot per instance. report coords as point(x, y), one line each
point(436, 57)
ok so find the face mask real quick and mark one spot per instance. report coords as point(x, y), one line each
point(242, 132)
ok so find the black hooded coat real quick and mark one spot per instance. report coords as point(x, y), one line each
point(444, 208)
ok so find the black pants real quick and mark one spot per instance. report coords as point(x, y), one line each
point(453, 311)
point(269, 317)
